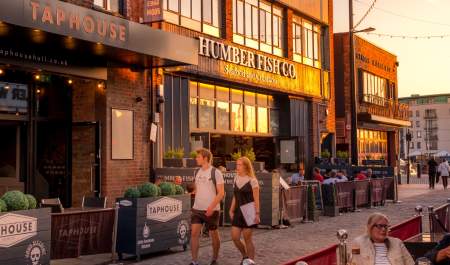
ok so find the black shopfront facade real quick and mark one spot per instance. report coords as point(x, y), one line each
point(57, 61)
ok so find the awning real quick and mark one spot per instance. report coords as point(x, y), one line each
point(442, 153)
point(383, 120)
point(56, 27)
point(415, 153)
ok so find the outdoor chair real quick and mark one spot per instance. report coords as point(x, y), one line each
point(94, 202)
point(54, 204)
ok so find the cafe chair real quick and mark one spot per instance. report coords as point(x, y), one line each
point(94, 202)
point(54, 203)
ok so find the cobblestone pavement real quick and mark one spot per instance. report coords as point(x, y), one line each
point(274, 247)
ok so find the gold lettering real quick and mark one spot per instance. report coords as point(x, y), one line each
point(34, 7)
point(74, 21)
point(204, 46)
point(235, 55)
point(101, 27)
point(251, 60)
point(60, 16)
point(225, 53)
point(276, 66)
point(260, 62)
point(215, 49)
point(88, 24)
point(242, 56)
point(112, 31)
point(122, 33)
point(285, 69)
point(47, 15)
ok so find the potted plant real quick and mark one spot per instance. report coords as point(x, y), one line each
point(313, 213)
point(153, 218)
point(341, 157)
point(257, 165)
point(32, 241)
point(174, 158)
point(325, 157)
point(191, 162)
point(231, 165)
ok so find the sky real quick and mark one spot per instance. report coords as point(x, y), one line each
point(424, 63)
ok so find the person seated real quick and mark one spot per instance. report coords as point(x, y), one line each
point(296, 178)
point(316, 175)
point(440, 254)
point(369, 174)
point(360, 176)
point(377, 248)
point(341, 176)
point(331, 179)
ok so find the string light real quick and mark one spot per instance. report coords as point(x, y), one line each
point(366, 14)
point(37, 77)
point(415, 37)
point(69, 81)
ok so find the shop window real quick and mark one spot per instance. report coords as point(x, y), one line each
point(198, 15)
point(297, 40)
point(249, 98)
point(263, 120)
point(250, 118)
point(110, 5)
point(236, 95)
point(223, 115)
point(419, 145)
point(274, 121)
point(237, 117)
point(193, 113)
point(374, 89)
point(206, 114)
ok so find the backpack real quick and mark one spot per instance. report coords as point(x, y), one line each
point(213, 176)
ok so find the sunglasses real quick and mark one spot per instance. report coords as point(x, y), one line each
point(381, 226)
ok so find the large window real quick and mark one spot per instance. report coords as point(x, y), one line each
point(306, 38)
point(372, 144)
point(217, 108)
point(374, 89)
point(199, 15)
point(258, 24)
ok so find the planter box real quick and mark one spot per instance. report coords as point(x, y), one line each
point(191, 163)
point(149, 225)
point(173, 162)
point(331, 211)
point(29, 246)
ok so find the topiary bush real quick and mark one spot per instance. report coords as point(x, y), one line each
point(3, 207)
point(159, 191)
point(132, 193)
point(32, 203)
point(167, 188)
point(148, 190)
point(15, 200)
point(179, 190)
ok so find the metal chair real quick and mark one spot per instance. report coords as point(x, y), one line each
point(54, 203)
point(94, 202)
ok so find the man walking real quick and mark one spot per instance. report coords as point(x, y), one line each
point(444, 169)
point(432, 164)
point(209, 191)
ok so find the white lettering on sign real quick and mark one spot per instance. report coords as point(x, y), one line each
point(231, 54)
point(164, 209)
point(15, 228)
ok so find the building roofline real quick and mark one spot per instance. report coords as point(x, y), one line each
point(425, 96)
point(368, 41)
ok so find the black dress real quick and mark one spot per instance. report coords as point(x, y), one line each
point(242, 196)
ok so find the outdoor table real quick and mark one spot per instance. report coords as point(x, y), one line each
point(422, 243)
point(78, 231)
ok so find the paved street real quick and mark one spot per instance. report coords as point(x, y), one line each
point(277, 246)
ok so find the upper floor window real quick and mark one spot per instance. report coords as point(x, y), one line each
point(374, 89)
point(198, 15)
point(258, 24)
point(417, 124)
point(306, 41)
point(110, 5)
point(417, 113)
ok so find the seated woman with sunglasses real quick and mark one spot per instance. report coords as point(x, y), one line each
point(376, 247)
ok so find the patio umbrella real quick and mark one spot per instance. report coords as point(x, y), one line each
point(416, 153)
point(442, 153)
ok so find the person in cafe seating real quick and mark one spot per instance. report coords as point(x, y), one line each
point(376, 247)
point(369, 174)
point(316, 175)
point(360, 176)
point(440, 254)
point(341, 176)
point(297, 177)
point(331, 179)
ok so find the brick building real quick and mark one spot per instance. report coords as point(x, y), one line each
point(264, 79)
point(75, 97)
point(379, 113)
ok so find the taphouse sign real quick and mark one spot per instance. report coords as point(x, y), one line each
point(15, 228)
point(247, 58)
point(164, 209)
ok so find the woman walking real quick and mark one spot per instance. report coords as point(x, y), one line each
point(444, 169)
point(244, 206)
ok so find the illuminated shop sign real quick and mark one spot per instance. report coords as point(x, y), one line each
point(238, 56)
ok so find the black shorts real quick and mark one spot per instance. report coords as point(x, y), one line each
point(211, 222)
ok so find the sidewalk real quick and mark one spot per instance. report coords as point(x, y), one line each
point(277, 246)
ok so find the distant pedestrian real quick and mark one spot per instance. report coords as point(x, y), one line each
point(432, 165)
point(444, 169)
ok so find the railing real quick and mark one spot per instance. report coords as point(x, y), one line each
point(384, 107)
point(430, 116)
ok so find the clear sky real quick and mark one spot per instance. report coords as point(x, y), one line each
point(424, 63)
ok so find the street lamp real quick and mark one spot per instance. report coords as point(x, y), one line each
point(354, 113)
point(408, 140)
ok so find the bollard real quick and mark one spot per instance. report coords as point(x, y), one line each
point(114, 236)
point(342, 236)
point(430, 218)
point(418, 210)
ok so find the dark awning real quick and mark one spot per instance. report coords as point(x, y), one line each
point(383, 121)
point(63, 28)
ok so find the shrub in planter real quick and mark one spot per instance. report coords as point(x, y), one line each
point(169, 153)
point(178, 153)
point(148, 190)
point(3, 207)
point(235, 156)
point(132, 193)
point(32, 203)
point(167, 189)
point(250, 154)
point(179, 190)
point(193, 154)
point(15, 200)
point(159, 191)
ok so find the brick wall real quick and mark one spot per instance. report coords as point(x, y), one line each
point(331, 118)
